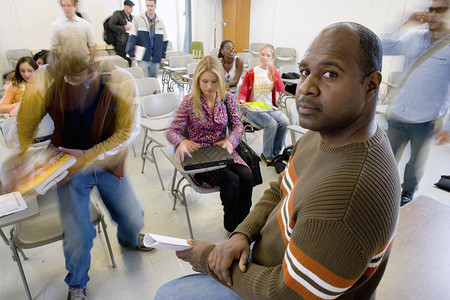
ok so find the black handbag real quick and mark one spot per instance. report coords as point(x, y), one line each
point(249, 156)
point(444, 183)
point(252, 160)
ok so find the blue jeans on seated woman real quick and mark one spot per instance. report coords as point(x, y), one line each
point(275, 125)
point(74, 200)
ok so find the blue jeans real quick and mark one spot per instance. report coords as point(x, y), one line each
point(275, 125)
point(198, 286)
point(419, 134)
point(150, 69)
point(79, 232)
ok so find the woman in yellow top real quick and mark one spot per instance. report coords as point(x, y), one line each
point(25, 68)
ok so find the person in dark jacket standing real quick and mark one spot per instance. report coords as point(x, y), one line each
point(120, 22)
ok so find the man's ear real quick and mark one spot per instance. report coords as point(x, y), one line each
point(372, 83)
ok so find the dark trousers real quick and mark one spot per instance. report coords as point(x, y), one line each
point(236, 187)
point(120, 50)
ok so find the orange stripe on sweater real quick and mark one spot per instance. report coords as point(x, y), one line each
point(286, 192)
point(319, 270)
point(295, 285)
point(371, 270)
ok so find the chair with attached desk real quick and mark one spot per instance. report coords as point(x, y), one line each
point(156, 111)
point(44, 228)
point(189, 75)
point(178, 190)
point(296, 130)
point(173, 74)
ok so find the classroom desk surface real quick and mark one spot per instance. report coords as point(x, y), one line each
point(419, 264)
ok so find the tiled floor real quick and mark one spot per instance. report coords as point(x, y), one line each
point(139, 274)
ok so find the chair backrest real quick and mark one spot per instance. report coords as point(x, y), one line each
point(196, 49)
point(147, 86)
point(180, 61)
point(292, 114)
point(136, 72)
point(214, 52)
point(289, 69)
point(120, 62)
point(253, 62)
point(159, 104)
point(191, 69)
point(170, 54)
point(285, 56)
point(12, 56)
point(245, 56)
point(255, 47)
point(9, 131)
point(117, 76)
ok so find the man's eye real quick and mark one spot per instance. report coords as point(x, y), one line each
point(329, 74)
point(304, 72)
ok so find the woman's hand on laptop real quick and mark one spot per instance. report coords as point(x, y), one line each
point(186, 147)
point(226, 144)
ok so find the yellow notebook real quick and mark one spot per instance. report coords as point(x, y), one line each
point(41, 171)
point(259, 106)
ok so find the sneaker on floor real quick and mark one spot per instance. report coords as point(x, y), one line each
point(77, 294)
point(406, 198)
point(141, 245)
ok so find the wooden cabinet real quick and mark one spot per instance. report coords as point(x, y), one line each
point(236, 14)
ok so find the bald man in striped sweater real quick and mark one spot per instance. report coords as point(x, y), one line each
point(325, 229)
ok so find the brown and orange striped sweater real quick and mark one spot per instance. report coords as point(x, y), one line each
point(324, 230)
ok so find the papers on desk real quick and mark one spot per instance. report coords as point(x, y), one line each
point(165, 242)
point(11, 203)
point(259, 106)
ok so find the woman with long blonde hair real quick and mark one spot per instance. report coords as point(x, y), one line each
point(202, 120)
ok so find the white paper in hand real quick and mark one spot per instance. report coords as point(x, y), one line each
point(165, 242)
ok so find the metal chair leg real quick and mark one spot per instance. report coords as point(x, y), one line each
point(157, 169)
point(16, 257)
point(113, 261)
point(187, 211)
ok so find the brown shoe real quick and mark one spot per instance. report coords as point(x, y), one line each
point(264, 159)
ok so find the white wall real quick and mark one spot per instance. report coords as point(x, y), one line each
point(289, 23)
point(284, 23)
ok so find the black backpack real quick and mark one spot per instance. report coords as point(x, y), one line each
point(108, 36)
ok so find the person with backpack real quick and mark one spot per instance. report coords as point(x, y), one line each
point(119, 25)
